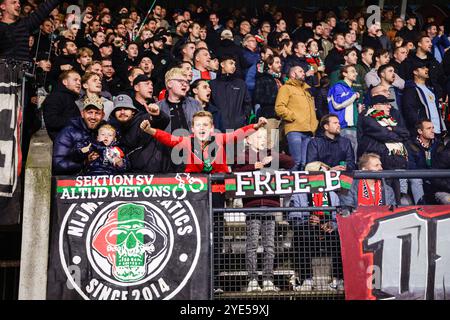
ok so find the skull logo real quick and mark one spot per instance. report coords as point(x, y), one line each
point(130, 239)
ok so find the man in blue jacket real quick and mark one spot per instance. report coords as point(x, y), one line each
point(329, 147)
point(66, 158)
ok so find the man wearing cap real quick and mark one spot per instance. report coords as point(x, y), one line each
point(379, 132)
point(78, 131)
point(420, 101)
point(160, 57)
point(144, 153)
point(143, 93)
point(437, 77)
point(409, 32)
point(228, 48)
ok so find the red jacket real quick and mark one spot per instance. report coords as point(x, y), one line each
point(214, 150)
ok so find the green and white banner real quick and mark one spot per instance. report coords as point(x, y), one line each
point(278, 183)
point(130, 237)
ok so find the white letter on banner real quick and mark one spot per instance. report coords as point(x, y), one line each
point(76, 11)
point(298, 181)
point(259, 183)
point(279, 180)
point(411, 230)
point(329, 180)
point(240, 182)
point(442, 277)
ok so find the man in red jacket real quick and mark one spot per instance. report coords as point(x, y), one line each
point(205, 151)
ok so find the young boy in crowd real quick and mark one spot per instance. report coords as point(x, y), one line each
point(205, 150)
point(257, 156)
point(111, 159)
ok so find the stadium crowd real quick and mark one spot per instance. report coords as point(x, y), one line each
point(115, 84)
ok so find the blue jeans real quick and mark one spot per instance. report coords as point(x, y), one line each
point(298, 144)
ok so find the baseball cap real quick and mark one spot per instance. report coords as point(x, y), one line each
point(93, 102)
point(380, 99)
point(123, 101)
point(226, 34)
point(140, 78)
point(418, 64)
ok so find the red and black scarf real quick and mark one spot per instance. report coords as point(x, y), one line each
point(365, 195)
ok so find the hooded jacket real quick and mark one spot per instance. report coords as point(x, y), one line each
point(295, 106)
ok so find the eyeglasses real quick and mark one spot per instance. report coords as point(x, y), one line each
point(182, 81)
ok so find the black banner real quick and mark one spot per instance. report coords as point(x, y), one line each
point(131, 237)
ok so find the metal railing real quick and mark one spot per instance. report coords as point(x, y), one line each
point(304, 262)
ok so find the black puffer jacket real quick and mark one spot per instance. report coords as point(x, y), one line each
point(230, 95)
point(59, 107)
point(144, 153)
point(67, 160)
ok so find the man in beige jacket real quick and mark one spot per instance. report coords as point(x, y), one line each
point(295, 106)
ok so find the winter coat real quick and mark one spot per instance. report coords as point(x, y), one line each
point(247, 159)
point(144, 153)
point(295, 106)
point(250, 58)
point(230, 95)
point(265, 94)
point(372, 137)
point(415, 107)
point(416, 154)
point(59, 107)
point(215, 151)
point(342, 101)
point(331, 151)
point(67, 160)
point(190, 107)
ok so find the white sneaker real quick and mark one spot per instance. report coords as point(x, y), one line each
point(218, 290)
point(253, 286)
point(308, 285)
point(269, 286)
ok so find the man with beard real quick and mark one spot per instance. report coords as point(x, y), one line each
point(79, 130)
point(144, 153)
point(65, 61)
